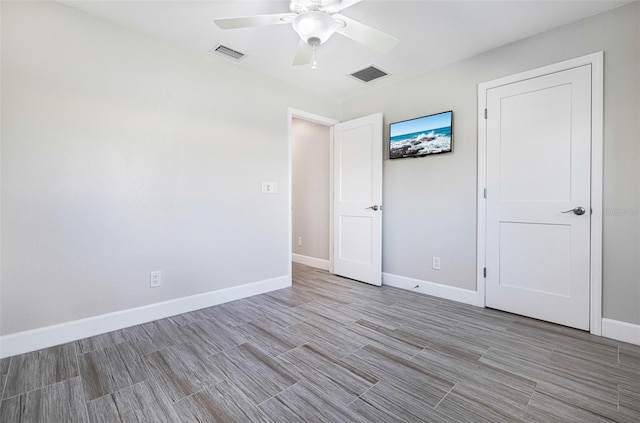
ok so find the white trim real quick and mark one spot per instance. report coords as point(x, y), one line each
point(291, 113)
point(32, 340)
point(331, 155)
point(481, 228)
point(311, 117)
point(621, 331)
point(453, 293)
point(596, 60)
point(597, 176)
point(481, 258)
point(310, 261)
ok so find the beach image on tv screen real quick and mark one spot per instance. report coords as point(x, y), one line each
point(421, 136)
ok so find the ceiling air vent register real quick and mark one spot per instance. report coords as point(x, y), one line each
point(369, 74)
point(226, 51)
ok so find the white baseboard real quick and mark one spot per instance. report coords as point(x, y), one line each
point(310, 261)
point(434, 289)
point(32, 340)
point(621, 331)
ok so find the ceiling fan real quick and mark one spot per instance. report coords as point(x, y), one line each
point(316, 21)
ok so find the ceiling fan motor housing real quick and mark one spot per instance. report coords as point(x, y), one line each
point(314, 27)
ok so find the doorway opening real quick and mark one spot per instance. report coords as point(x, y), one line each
point(354, 176)
point(311, 189)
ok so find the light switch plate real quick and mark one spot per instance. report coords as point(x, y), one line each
point(269, 187)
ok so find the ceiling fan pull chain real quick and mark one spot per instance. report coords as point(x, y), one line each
point(314, 64)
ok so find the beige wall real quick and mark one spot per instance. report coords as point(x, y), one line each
point(430, 203)
point(310, 188)
point(123, 154)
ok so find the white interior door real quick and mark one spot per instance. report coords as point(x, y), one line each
point(538, 174)
point(357, 206)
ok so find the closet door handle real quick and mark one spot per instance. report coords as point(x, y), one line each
point(576, 210)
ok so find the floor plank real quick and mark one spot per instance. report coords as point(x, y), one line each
point(308, 404)
point(339, 380)
point(332, 337)
point(111, 369)
point(405, 405)
point(543, 408)
point(4, 365)
point(482, 404)
point(404, 375)
point(211, 336)
point(57, 402)
point(254, 372)
point(38, 369)
point(270, 336)
point(101, 341)
point(143, 402)
point(182, 370)
point(221, 403)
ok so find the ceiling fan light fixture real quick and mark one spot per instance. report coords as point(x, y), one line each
point(314, 27)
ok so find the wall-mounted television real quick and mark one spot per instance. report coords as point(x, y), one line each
point(421, 136)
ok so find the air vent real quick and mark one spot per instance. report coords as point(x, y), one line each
point(369, 74)
point(226, 51)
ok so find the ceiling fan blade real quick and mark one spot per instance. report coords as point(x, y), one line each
point(258, 20)
point(303, 54)
point(366, 35)
point(335, 8)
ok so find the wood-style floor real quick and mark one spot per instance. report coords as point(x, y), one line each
point(329, 350)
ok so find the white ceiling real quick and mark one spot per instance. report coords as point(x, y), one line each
point(432, 34)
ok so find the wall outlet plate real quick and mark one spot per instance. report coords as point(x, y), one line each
point(155, 279)
point(436, 263)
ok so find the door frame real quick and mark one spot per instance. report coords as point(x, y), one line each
point(322, 120)
point(596, 60)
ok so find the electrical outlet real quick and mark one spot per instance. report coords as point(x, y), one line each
point(155, 280)
point(299, 241)
point(436, 263)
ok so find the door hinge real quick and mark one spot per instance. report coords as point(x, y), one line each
point(484, 272)
point(484, 193)
point(485, 113)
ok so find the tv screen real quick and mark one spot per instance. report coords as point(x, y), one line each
point(422, 136)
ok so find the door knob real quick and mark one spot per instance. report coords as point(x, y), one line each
point(577, 210)
point(374, 207)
